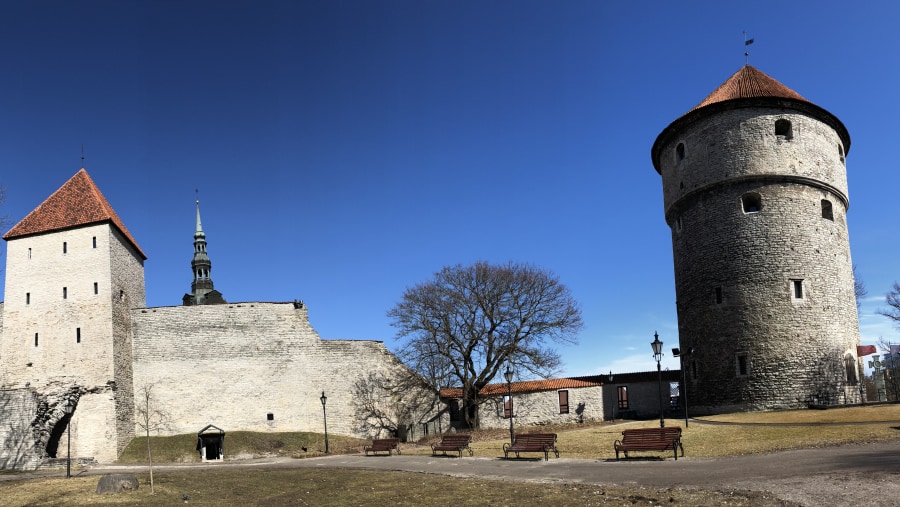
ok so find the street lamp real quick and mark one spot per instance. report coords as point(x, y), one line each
point(657, 354)
point(617, 400)
point(69, 410)
point(680, 355)
point(509, 376)
point(323, 399)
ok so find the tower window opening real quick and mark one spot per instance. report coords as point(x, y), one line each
point(65, 247)
point(77, 335)
point(96, 288)
point(743, 367)
point(841, 152)
point(65, 293)
point(783, 129)
point(718, 295)
point(827, 212)
point(679, 152)
point(29, 253)
point(27, 298)
point(94, 241)
point(270, 416)
point(751, 202)
point(35, 339)
point(678, 224)
point(797, 289)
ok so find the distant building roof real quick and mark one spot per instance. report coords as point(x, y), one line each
point(640, 376)
point(77, 203)
point(528, 386)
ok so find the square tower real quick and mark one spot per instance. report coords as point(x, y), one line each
point(73, 273)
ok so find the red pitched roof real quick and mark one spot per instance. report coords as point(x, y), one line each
point(749, 82)
point(77, 203)
point(528, 386)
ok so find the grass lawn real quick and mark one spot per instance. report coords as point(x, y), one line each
point(732, 434)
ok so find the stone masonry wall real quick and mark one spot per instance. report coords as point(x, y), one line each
point(756, 345)
point(232, 365)
point(542, 407)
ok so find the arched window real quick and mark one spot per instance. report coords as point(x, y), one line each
point(679, 152)
point(841, 152)
point(827, 213)
point(751, 202)
point(783, 129)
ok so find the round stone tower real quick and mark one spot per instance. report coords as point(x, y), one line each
point(755, 192)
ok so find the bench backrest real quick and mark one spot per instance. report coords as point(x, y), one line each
point(386, 442)
point(545, 439)
point(651, 434)
point(459, 439)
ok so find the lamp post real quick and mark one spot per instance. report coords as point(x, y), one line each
point(69, 410)
point(657, 354)
point(617, 400)
point(509, 376)
point(680, 355)
point(323, 399)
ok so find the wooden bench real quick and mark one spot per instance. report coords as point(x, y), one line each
point(532, 442)
point(650, 439)
point(453, 443)
point(383, 445)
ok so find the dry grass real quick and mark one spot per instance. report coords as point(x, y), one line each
point(335, 487)
point(744, 433)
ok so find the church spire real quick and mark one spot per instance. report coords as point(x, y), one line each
point(202, 291)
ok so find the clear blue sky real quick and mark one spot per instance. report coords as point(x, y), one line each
point(347, 150)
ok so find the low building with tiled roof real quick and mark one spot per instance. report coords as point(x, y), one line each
point(534, 402)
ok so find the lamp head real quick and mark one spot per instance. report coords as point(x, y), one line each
point(323, 398)
point(656, 344)
point(508, 374)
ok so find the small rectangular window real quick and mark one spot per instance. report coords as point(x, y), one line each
point(96, 288)
point(270, 416)
point(35, 339)
point(27, 298)
point(797, 286)
point(65, 292)
point(65, 247)
point(623, 397)
point(77, 335)
point(742, 366)
point(29, 253)
point(718, 295)
point(564, 402)
point(94, 241)
point(507, 407)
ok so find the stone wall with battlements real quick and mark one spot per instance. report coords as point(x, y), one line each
point(249, 366)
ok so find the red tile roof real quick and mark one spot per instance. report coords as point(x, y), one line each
point(77, 203)
point(528, 386)
point(749, 82)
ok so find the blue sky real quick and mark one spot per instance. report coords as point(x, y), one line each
point(346, 150)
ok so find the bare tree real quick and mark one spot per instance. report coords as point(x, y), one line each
point(465, 324)
point(859, 288)
point(149, 418)
point(893, 300)
point(386, 403)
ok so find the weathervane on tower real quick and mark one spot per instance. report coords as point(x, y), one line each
point(747, 43)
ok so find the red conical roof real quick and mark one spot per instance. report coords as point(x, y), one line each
point(78, 202)
point(749, 82)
